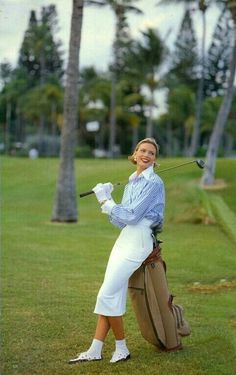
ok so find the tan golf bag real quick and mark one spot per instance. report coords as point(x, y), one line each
point(160, 321)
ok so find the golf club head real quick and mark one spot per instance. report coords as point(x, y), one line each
point(200, 163)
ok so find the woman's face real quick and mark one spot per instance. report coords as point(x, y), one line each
point(145, 156)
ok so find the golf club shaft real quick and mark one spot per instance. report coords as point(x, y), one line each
point(86, 193)
point(176, 166)
point(163, 170)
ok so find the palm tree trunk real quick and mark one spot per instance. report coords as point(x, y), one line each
point(65, 206)
point(7, 127)
point(134, 136)
point(200, 94)
point(169, 139)
point(53, 128)
point(149, 128)
point(209, 173)
point(112, 134)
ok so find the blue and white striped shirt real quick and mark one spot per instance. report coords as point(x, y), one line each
point(144, 197)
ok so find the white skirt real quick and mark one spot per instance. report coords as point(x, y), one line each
point(131, 248)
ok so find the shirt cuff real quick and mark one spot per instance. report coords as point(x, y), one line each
point(108, 206)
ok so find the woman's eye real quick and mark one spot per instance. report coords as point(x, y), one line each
point(143, 151)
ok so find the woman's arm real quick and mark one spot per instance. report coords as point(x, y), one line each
point(151, 194)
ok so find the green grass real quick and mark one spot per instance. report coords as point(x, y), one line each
point(50, 273)
point(225, 215)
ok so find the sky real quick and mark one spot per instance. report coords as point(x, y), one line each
point(97, 28)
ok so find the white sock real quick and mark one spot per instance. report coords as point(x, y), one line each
point(96, 347)
point(121, 346)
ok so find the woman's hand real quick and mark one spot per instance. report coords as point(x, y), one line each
point(108, 187)
point(100, 193)
point(103, 191)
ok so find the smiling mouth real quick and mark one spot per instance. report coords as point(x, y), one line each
point(145, 161)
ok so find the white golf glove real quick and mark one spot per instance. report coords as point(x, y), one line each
point(100, 193)
point(108, 187)
point(108, 206)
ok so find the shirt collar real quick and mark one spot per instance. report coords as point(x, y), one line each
point(146, 174)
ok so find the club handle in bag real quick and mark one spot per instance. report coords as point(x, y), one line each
point(86, 193)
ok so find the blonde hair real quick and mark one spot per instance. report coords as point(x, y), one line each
point(145, 140)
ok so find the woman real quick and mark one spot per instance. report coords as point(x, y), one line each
point(141, 209)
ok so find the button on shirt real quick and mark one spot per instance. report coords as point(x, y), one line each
point(144, 197)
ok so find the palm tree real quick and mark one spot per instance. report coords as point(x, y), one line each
point(120, 9)
point(215, 138)
point(202, 5)
point(143, 61)
point(216, 135)
point(152, 53)
point(65, 206)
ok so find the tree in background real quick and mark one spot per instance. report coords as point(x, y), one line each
point(94, 105)
point(22, 99)
point(208, 177)
point(65, 205)
point(182, 82)
point(143, 62)
point(40, 53)
point(230, 130)
point(15, 85)
point(5, 102)
point(181, 103)
point(218, 56)
point(5, 72)
point(184, 57)
point(43, 100)
point(40, 56)
point(120, 44)
point(202, 6)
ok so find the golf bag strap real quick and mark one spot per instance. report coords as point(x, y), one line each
point(154, 256)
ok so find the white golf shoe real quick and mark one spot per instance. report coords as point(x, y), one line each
point(85, 357)
point(119, 355)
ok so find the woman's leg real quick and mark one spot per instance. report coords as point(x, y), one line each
point(121, 352)
point(95, 350)
point(102, 329)
point(104, 324)
point(117, 326)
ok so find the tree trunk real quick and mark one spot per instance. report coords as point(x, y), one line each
point(65, 206)
point(169, 138)
point(200, 95)
point(186, 140)
point(8, 127)
point(209, 173)
point(134, 136)
point(112, 134)
point(149, 128)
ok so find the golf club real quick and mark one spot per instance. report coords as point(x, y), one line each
point(200, 163)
